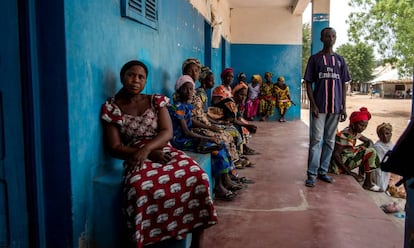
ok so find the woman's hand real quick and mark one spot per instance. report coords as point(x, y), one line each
point(159, 156)
point(138, 158)
point(214, 128)
point(215, 140)
point(343, 115)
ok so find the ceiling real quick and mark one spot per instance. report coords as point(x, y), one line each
point(259, 3)
point(297, 6)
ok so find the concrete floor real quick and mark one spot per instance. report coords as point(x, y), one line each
point(279, 211)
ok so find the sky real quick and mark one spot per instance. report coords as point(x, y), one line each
point(339, 14)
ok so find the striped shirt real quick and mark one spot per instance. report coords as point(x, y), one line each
point(328, 73)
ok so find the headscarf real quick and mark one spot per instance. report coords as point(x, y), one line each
point(268, 74)
point(239, 87)
point(130, 64)
point(182, 80)
point(383, 126)
point(225, 72)
point(190, 61)
point(258, 78)
point(361, 115)
point(205, 71)
point(281, 79)
point(241, 75)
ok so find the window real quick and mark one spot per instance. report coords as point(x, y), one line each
point(399, 87)
point(142, 11)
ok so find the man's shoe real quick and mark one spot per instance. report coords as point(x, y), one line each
point(310, 182)
point(326, 178)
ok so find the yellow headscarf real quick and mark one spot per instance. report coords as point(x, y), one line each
point(258, 78)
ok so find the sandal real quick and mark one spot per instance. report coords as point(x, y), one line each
point(228, 196)
point(245, 180)
point(247, 163)
point(235, 187)
point(250, 151)
point(239, 165)
point(374, 188)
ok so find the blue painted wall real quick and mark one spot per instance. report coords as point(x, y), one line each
point(98, 42)
point(279, 59)
point(76, 49)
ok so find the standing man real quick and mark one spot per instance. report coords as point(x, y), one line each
point(329, 73)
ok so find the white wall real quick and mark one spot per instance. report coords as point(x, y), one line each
point(265, 26)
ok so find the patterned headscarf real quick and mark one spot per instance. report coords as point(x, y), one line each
point(361, 115)
point(205, 71)
point(382, 126)
point(190, 61)
point(241, 75)
point(281, 79)
point(225, 72)
point(182, 80)
point(268, 74)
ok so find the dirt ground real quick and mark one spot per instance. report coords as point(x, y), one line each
point(397, 112)
point(394, 111)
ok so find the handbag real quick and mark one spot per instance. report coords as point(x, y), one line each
point(398, 159)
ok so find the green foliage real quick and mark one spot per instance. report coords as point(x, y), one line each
point(360, 60)
point(306, 45)
point(389, 26)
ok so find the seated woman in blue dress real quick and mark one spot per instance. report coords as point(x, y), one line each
point(184, 139)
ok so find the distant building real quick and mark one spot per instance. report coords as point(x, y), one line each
point(388, 84)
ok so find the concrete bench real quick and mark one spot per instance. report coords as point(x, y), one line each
point(106, 227)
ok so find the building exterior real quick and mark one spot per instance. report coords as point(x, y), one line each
point(388, 84)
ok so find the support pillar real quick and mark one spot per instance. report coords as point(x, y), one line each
point(320, 20)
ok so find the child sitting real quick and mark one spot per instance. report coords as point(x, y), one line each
point(382, 146)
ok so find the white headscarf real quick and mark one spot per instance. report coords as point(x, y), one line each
point(182, 80)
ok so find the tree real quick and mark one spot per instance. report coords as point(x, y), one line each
point(360, 60)
point(389, 26)
point(306, 45)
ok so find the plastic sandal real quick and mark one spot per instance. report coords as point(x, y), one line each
point(246, 180)
point(373, 188)
point(239, 165)
point(228, 196)
point(236, 187)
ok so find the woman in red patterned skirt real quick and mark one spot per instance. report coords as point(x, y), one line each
point(166, 193)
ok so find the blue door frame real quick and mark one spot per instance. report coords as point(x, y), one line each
point(14, 220)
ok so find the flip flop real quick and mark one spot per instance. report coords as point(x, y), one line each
point(245, 180)
point(228, 196)
point(239, 165)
